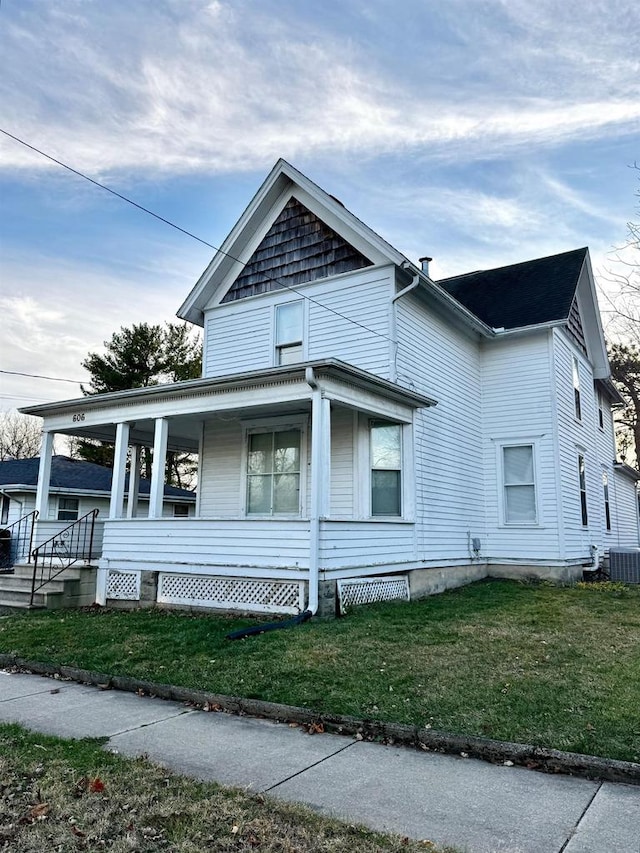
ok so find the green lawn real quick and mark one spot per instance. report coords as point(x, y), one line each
point(551, 666)
point(58, 795)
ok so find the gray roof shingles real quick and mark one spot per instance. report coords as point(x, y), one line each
point(524, 294)
point(72, 474)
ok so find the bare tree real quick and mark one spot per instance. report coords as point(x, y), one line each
point(20, 436)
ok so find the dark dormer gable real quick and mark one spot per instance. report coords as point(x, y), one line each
point(526, 294)
point(298, 247)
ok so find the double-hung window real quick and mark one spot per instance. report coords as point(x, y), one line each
point(288, 333)
point(518, 475)
point(605, 495)
point(582, 480)
point(577, 401)
point(273, 473)
point(386, 468)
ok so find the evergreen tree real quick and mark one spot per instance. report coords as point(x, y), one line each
point(138, 357)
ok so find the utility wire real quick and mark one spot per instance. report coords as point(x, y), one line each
point(39, 376)
point(157, 216)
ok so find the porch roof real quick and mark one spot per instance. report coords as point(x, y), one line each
point(281, 389)
point(333, 368)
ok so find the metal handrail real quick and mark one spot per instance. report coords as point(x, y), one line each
point(66, 547)
point(18, 538)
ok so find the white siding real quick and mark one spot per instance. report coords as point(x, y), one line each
point(364, 298)
point(624, 512)
point(240, 335)
point(517, 409)
point(220, 479)
point(442, 362)
point(579, 437)
point(365, 544)
point(342, 463)
point(195, 543)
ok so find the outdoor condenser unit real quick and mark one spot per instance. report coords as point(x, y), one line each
point(624, 564)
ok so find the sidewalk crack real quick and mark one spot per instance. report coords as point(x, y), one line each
point(581, 818)
point(309, 767)
point(151, 723)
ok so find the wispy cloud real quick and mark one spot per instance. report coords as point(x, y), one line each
point(220, 87)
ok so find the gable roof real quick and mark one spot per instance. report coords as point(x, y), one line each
point(74, 474)
point(283, 182)
point(525, 294)
point(299, 247)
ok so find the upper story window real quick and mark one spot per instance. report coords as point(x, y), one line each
point(273, 472)
point(576, 389)
point(289, 330)
point(601, 409)
point(386, 468)
point(68, 509)
point(582, 479)
point(518, 475)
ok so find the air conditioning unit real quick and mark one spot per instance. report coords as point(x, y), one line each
point(624, 564)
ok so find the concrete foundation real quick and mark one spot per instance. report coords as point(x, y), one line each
point(424, 582)
point(556, 574)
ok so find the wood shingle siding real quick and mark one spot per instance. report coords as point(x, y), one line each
point(297, 248)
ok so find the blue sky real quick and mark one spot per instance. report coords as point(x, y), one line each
point(481, 132)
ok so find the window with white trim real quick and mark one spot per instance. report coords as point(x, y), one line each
point(582, 481)
point(273, 472)
point(68, 509)
point(519, 485)
point(601, 408)
point(577, 401)
point(385, 448)
point(289, 323)
point(605, 495)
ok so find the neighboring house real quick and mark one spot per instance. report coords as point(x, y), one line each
point(75, 488)
point(358, 423)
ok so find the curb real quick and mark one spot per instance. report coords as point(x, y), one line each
point(532, 757)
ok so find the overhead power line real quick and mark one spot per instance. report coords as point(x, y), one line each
point(39, 376)
point(157, 216)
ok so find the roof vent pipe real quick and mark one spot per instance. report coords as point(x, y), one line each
point(424, 264)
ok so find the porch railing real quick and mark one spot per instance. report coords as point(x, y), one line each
point(60, 552)
point(16, 541)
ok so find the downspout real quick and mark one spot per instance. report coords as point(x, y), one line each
point(394, 330)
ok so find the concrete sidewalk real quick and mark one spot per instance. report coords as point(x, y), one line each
point(478, 807)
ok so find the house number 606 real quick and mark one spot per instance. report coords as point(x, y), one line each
point(79, 417)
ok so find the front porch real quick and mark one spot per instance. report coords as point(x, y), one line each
point(305, 476)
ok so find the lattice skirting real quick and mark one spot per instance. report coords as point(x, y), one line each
point(260, 596)
point(124, 586)
point(370, 590)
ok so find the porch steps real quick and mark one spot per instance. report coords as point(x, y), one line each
point(69, 589)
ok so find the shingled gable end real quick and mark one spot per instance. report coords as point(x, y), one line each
point(363, 431)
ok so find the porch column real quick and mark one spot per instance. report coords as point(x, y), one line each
point(119, 470)
point(320, 480)
point(134, 482)
point(160, 439)
point(44, 475)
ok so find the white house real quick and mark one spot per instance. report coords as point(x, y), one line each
point(359, 423)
